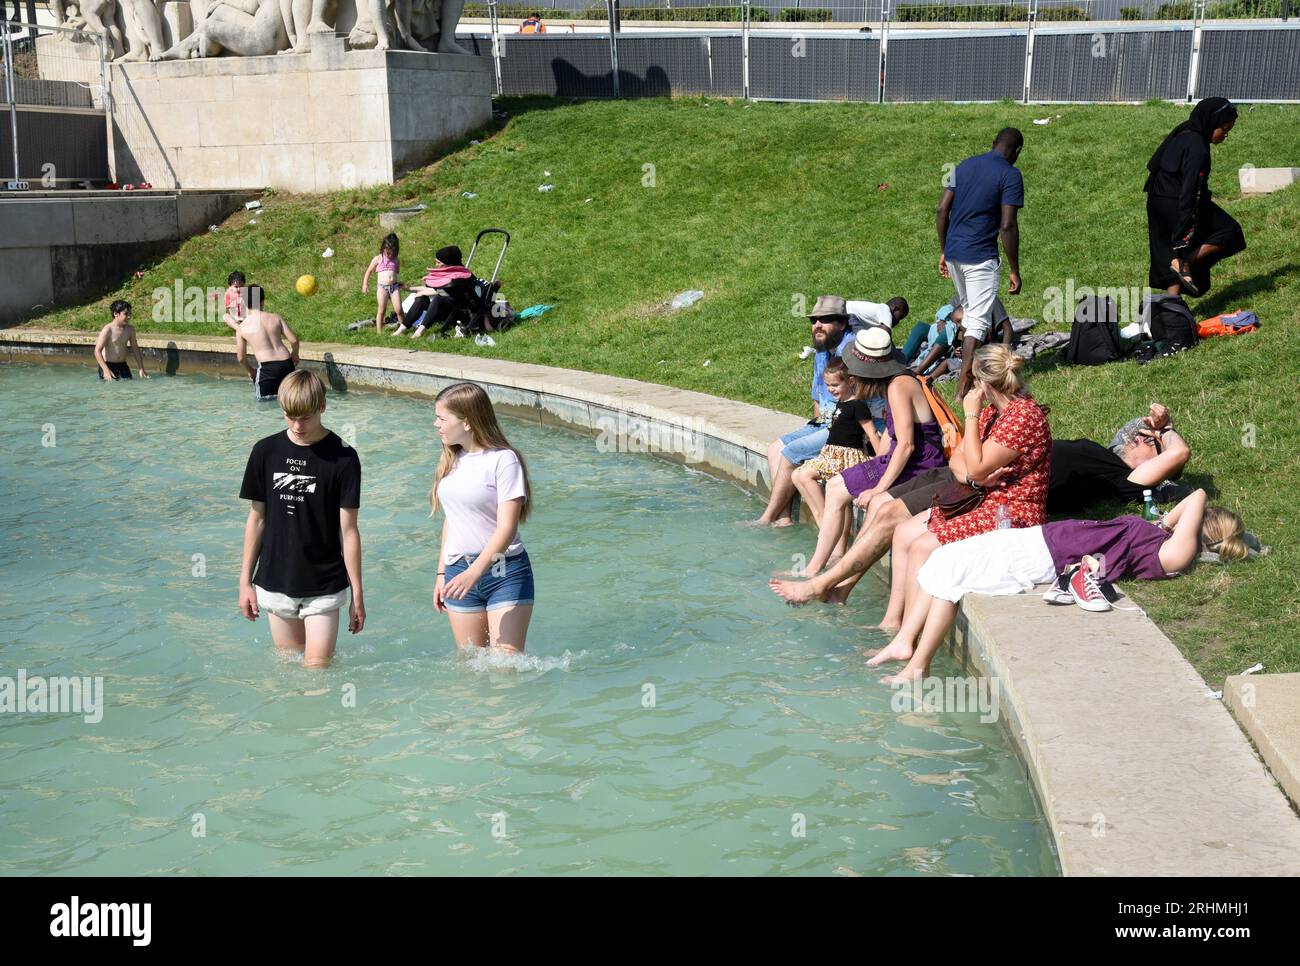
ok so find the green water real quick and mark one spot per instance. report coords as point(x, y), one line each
point(765, 722)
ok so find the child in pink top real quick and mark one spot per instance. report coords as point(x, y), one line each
point(387, 287)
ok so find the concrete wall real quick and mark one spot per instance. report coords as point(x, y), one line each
point(326, 120)
point(61, 247)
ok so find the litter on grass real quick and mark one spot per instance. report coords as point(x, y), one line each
point(469, 194)
point(546, 187)
point(1253, 669)
point(807, 351)
point(252, 205)
point(484, 340)
point(534, 310)
point(327, 253)
point(685, 300)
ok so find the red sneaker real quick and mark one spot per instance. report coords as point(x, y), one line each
point(1085, 586)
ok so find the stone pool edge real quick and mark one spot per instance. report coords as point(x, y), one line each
point(1136, 770)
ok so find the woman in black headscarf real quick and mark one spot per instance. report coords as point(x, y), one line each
point(1188, 232)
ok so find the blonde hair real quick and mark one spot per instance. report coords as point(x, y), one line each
point(999, 368)
point(1223, 532)
point(469, 402)
point(301, 394)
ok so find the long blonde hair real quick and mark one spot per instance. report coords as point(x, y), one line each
point(469, 402)
point(1223, 532)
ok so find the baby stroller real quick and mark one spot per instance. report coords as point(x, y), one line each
point(475, 298)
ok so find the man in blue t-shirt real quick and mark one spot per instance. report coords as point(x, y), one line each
point(979, 204)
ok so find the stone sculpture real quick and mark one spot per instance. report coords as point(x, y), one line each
point(133, 29)
point(429, 25)
point(244, 28)
point(143, 30)
point(103, 17)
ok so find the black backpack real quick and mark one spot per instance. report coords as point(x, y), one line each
point(1169, 321)
point(1094, 336)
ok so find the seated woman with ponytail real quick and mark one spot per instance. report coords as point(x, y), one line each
point(1010, 561)
point(1006, 444)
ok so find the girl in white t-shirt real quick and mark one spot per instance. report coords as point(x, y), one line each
point(485, 579)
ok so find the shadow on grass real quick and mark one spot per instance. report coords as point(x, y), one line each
point(1238, 293)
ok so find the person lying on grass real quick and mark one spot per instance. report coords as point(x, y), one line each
point(1145, 454)
point(1005, 562)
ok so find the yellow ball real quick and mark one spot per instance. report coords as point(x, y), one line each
point(306, 285)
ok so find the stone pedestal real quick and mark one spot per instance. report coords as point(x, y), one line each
point(1264, 181)
point(322, 121)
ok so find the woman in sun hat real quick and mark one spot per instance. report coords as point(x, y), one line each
point(912, 441)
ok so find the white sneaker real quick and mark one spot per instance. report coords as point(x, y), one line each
point(1059, 592)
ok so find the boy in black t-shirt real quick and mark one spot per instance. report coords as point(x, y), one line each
point(301, 533)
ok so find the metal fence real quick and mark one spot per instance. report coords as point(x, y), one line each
point(1030, 51)
point(53, 97)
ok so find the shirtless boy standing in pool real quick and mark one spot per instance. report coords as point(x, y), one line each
point(113, 342)
point(271, 341)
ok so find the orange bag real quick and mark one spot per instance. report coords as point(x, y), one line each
point(949, 424)
point(1216, 326)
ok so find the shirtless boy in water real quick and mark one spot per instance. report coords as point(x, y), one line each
point(271, 341)
point(114, 339)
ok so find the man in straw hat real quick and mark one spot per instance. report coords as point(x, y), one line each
point(830, 334)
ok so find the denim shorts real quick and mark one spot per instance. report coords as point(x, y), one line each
point(804, 443)
point(511, 588)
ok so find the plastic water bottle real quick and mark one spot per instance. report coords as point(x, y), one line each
point(1149, 509)
point(1004, 517)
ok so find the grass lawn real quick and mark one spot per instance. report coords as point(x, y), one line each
point(764, 206)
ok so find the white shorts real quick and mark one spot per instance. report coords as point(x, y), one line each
point(999, 563)
point(296, 608)
point(977, 288)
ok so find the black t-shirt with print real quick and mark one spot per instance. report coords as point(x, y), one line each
point(1084, 473)
point(846, 424)
point(303, 488)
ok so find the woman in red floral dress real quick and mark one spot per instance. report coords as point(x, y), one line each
point(1006, 443)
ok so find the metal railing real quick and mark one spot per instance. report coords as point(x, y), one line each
point(55, 100)
point(559, 14)
point(1026, 50)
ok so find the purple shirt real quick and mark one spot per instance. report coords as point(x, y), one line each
point(1130, 545)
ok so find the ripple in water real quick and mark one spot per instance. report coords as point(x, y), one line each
point(671, 714)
